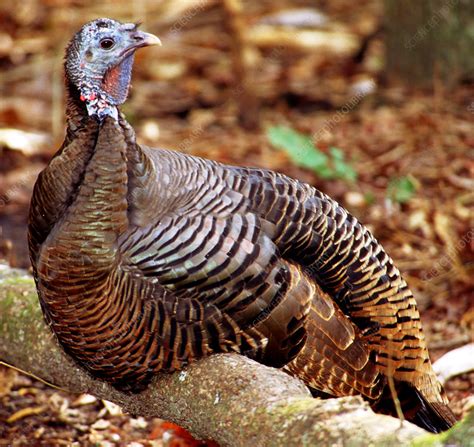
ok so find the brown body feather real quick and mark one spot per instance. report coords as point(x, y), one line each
point(148, 259)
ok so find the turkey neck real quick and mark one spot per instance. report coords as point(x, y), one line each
point(81, 197)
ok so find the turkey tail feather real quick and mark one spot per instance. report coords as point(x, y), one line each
point(432, 416)
point(335, 359)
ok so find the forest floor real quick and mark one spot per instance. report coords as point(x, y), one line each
point(412, 154)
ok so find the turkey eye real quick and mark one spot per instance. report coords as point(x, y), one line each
point(106, 44)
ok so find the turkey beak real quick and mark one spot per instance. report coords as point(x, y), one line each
point(139, 39)
point(143, 39)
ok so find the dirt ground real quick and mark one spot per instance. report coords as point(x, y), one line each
point(183, 99)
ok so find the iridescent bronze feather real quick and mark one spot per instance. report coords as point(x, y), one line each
point(147, 259)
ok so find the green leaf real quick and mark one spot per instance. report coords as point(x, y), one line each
point(342, 169)
point(298, 146)
point(369, 198)
point(303, 153)
point(401, 189)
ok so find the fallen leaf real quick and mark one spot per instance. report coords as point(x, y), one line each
point(25, 412)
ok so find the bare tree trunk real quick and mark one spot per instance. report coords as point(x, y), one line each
point(244, 93)
point(228, 398)
point(429, 40)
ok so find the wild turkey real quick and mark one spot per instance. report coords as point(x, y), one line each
point(147, 259)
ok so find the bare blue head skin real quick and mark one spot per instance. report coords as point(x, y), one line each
point(99, 62)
